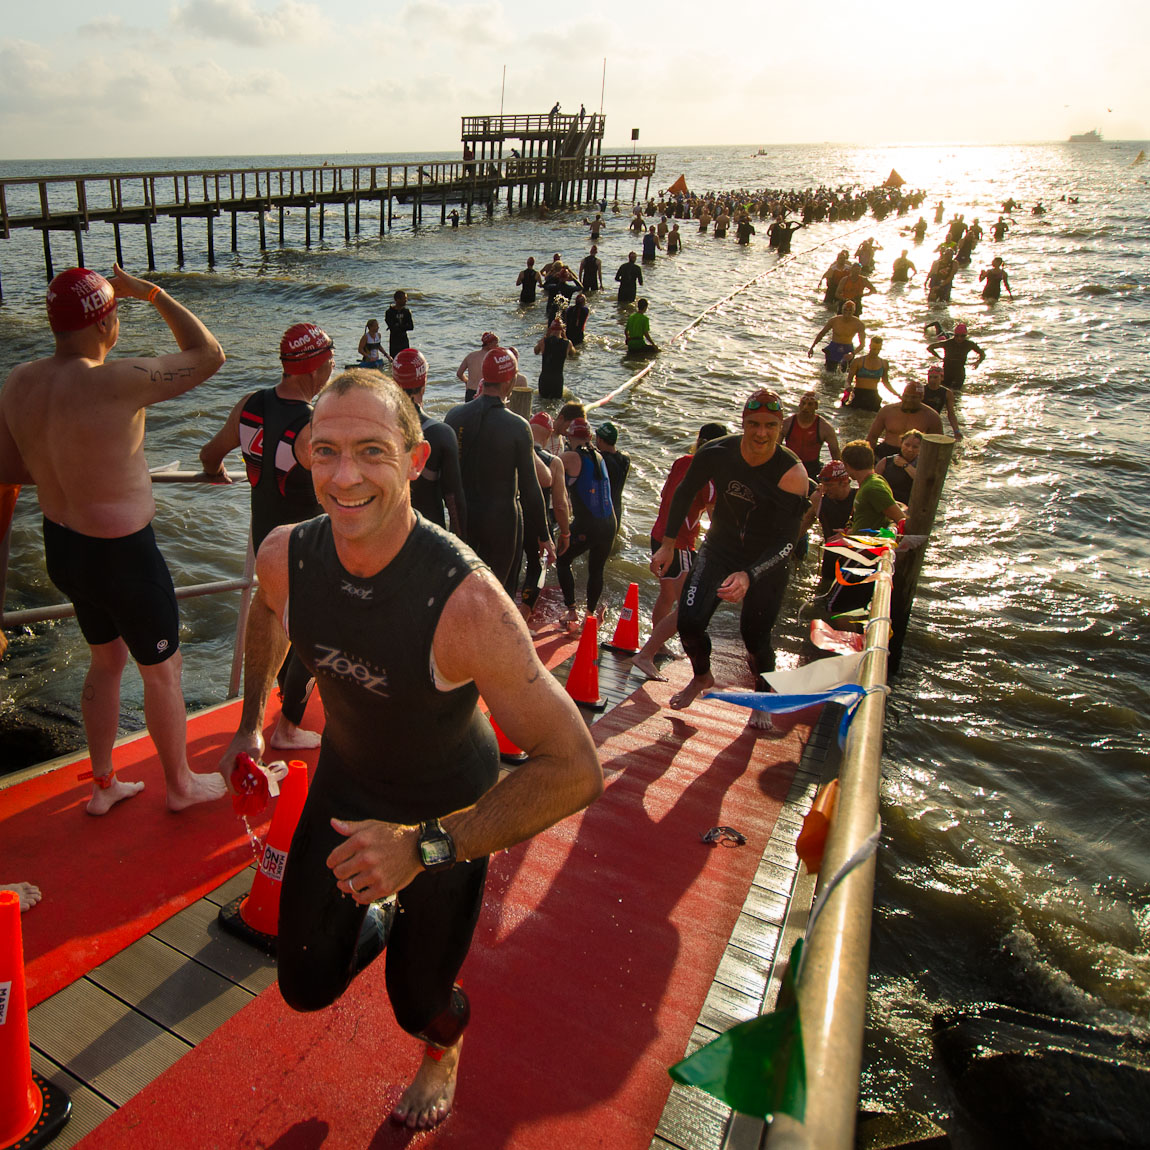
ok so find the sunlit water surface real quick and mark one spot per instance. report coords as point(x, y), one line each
point(1015, 864)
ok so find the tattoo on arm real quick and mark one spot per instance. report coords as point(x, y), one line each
point(166, 376)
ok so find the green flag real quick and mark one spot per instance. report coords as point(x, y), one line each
point(756, 1067)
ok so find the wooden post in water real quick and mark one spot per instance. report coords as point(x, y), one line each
point(180, 240)
point(235, 233)
point(211, 241)
point(307, 226)
point(321, 207)
point(281, 225)
point(933, 462)
point(151, 246)
point(263, 232)
point(119, 246)
point(347, 220)
point(79, 245)
point(520, 401)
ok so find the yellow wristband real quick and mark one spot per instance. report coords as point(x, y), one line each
point(153, 293)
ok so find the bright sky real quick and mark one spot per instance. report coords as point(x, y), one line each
point(258, 77)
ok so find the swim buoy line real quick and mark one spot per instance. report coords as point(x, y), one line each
point(718, 304)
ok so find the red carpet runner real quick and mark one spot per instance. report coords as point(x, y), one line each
point(597, 947)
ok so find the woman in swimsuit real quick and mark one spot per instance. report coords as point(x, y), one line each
point(864, 374)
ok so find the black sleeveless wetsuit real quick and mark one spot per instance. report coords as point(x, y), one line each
point(282, 493)
point(551, 370)
point(395, 747)
point(754, 528)
point(504, 501)
point(282, 490)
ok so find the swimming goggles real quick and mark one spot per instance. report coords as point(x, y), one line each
point(772, 404)
point(723, 835)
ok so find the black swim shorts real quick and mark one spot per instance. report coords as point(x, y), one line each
point(121, 589)
point(681, 560)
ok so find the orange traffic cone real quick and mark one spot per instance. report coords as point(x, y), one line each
point(255, 917)
point(32, 1110)
point(583, 678)
point(626, 637)
point(508, 751)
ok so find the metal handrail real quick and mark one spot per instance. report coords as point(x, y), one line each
point(836, 961)
point(244, 584)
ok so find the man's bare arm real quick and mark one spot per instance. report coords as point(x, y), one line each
point(226, 440)
point(162, 377)
point(265, 645)
point(877, 430)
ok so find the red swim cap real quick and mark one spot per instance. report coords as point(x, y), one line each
point(579, 429)
point(934, 373)
point(303, 348)
point(499, 366)
point(409, 369)
point(542, 419)
point(78, 298)
point(488, 337)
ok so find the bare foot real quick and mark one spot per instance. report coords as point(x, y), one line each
point(427, 1101)
point(196, 788)
point(647, 666)
point(105, 798)
point(691, 691)
point(28, 894)
point(288, 737)
point(761, 720)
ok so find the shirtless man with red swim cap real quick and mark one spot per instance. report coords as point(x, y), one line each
point(73, 424)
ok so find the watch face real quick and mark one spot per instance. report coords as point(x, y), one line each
point(435, 852)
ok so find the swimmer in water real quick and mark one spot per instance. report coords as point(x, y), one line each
point(843, 329)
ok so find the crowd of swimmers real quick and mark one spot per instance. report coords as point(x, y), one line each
point(394, 532)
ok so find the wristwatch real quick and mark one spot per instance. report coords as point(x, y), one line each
point(436, 846)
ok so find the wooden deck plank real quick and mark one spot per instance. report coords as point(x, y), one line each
point(159, 981)
point(197, 933)
point(102, 1041)
point(88, 1108)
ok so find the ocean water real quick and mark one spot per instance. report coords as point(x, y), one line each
point(1015, 864)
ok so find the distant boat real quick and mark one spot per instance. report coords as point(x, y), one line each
point(1091, 137)
point(762, 152)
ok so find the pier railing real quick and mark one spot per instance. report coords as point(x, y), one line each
point(66, 202)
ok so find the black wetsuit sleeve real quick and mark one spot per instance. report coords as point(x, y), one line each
point(451, 487)
point(789, 511)
point(530, 493)
point(698, 474)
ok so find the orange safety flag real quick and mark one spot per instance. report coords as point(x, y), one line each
point(894, 180)
point(679, 186)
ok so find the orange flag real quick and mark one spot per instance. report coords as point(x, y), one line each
point(680, 185)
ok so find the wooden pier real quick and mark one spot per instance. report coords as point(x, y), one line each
point(559, 162)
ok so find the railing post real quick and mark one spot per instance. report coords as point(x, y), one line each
point(930, 475)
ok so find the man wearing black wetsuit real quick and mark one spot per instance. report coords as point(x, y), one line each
point(403, 628)
point(761, 495)
point(504, 501)
point(618, 464)
point(955, 349)
point(629, 277)
point(271, 428)
point(439, 482)
point(399, 323)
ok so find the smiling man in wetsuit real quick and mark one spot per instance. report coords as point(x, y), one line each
point(761, 495)
point(73, 424)
point(271, 428)
point(403, 627)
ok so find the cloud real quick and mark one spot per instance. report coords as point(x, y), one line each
point(470, 25)
point(239, 22)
